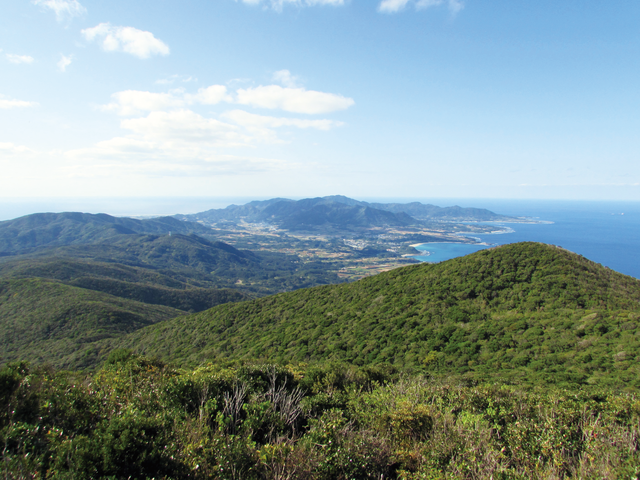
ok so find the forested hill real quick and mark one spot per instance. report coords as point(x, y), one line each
point(30, 232)
point(341, 211)
point(525, 312)
point(302, 214)
point(44, 321)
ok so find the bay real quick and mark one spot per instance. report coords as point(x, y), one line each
point(605, 232)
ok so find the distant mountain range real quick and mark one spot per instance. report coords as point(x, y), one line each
point(341, 212)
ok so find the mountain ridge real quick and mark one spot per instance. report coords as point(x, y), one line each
point(27, 234)
point(340, 211)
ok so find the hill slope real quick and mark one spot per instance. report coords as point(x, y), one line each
point(188, 260)
point(136, 283)
point(30, 232)
point(528, 312)
point(48, 322)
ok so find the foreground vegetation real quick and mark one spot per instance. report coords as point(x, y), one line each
point(138, 418)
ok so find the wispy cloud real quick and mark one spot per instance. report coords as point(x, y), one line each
point(178, 142)
point(10, 149)
point(393, 6)
point(252, 120)
point(164, 133)
point(295, 100)
point(6, 103)
point(175, 78)
point(64, 62)
point(130, 40)
point(273, 97)
point(279, 4)
point(63, 8)
point(135, 102)
point(262, 128)
point(284, 78)
point(185, 126)
point(149, 162)
point(210, 95)
point(19, 58)
point(169, 112)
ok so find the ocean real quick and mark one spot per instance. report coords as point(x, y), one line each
point(605, 232)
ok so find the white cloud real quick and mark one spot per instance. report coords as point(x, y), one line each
point(64, 62)
point(148, 162)
point(180, 142)
point(174, 78)
point(126, 39)
point(285, 78)
point(63, 8)
point(6, 103)
point(454, 5)
point(252, 120)
point(165, 134)
point(393, 6)
point(210, 95)
point(19, 58)
point(296, 100)
point(262, 127)
point(185, 127)
point(279, 4)
point(10, 149)
point(134, 102)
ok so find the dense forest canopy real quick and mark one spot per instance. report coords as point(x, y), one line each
point(526, 312)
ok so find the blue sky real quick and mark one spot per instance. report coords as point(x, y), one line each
point(397, 98)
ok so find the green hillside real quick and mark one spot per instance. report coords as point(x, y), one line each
point(186, 259)
point(525, 312)
point(48, 322)
point(39, 230)
point(136, 283)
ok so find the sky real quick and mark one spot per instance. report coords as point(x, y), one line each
point(300, 98)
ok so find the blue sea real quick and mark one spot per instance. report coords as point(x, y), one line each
point(605, 232)
point(597, 230)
